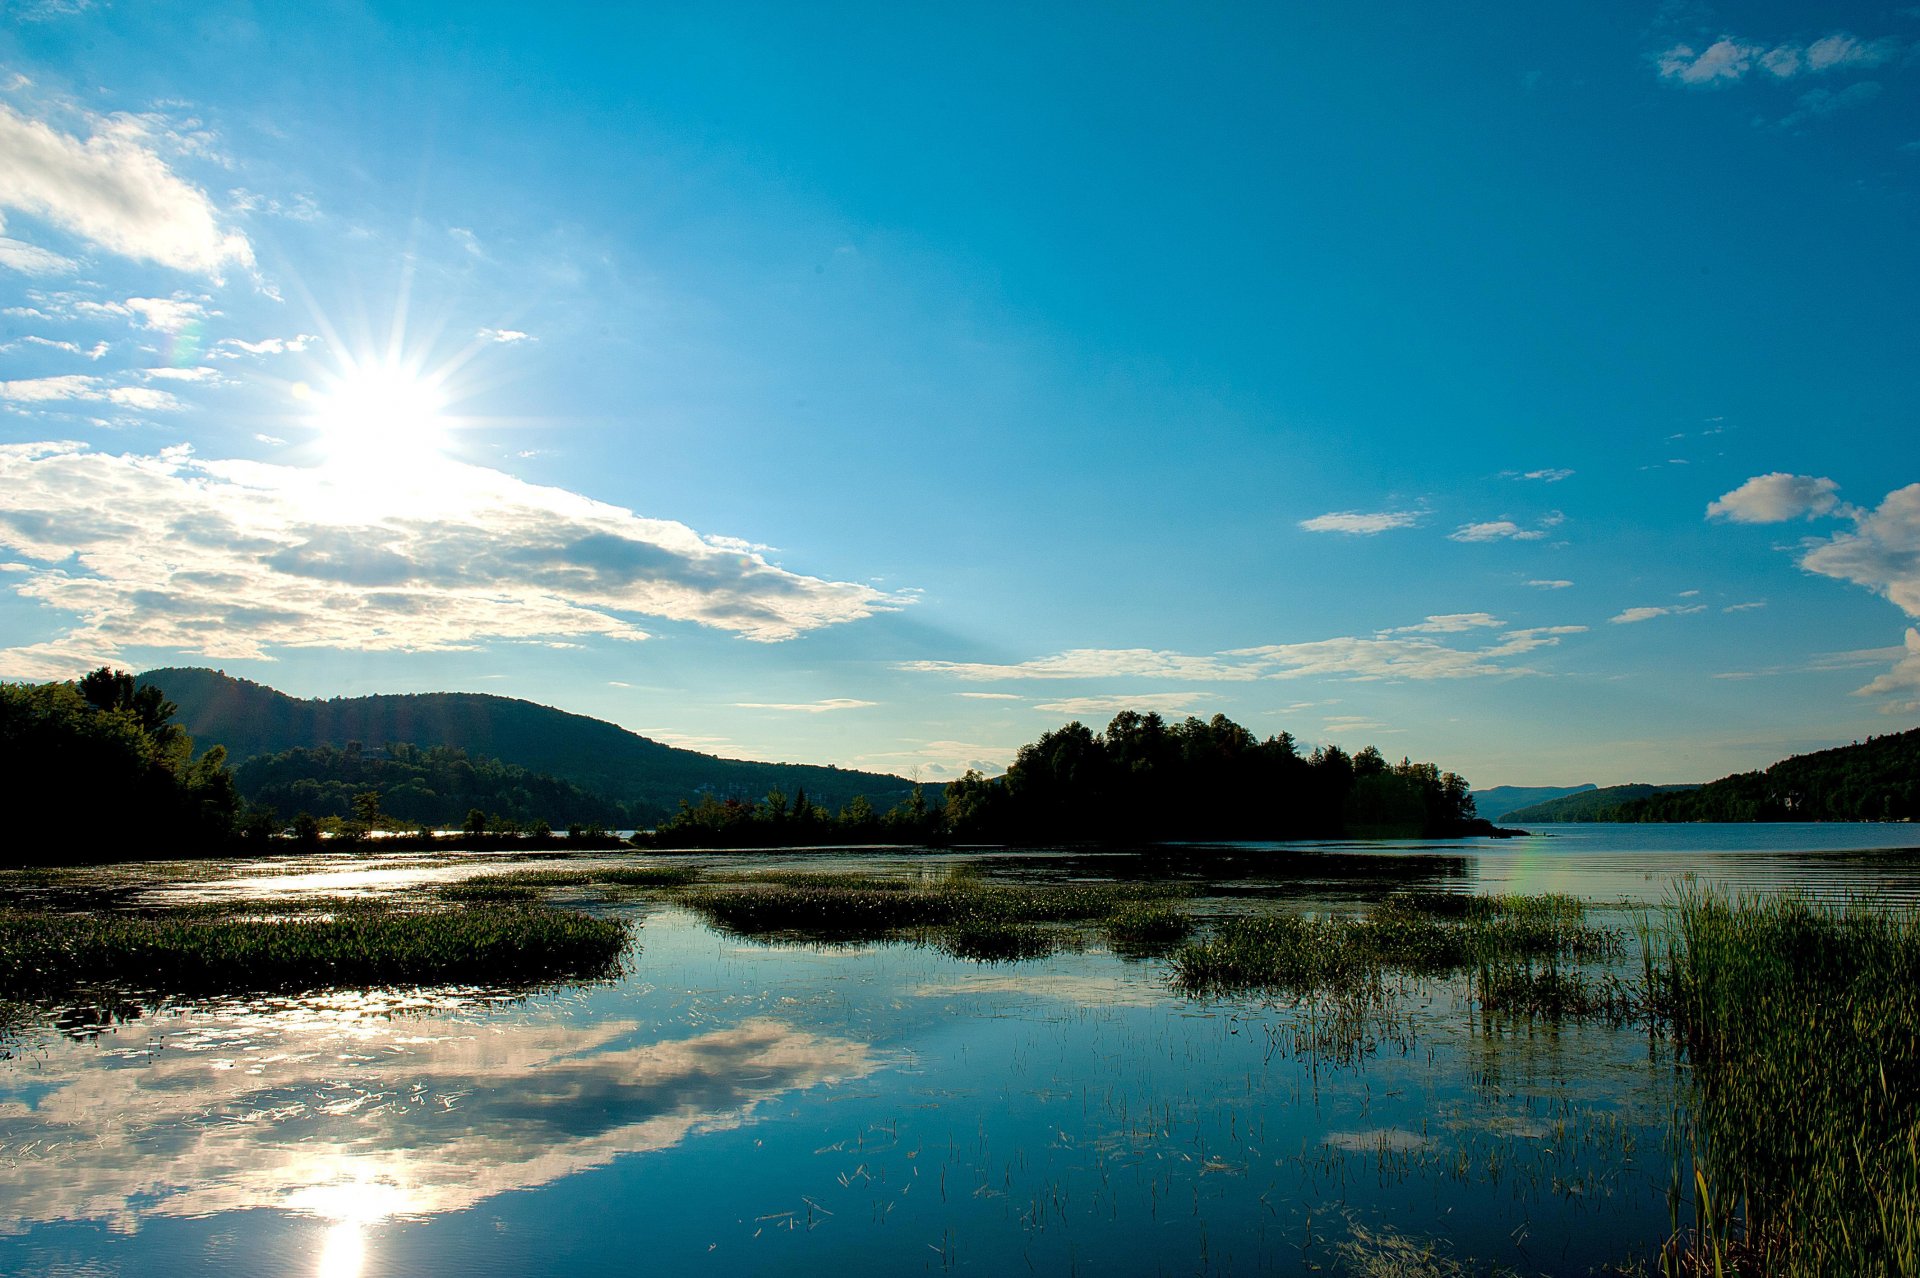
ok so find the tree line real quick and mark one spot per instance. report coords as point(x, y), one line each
point(1140, 781)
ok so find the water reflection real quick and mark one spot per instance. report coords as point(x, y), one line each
point(331, 1111)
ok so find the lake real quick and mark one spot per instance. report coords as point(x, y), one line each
point(733, 1106)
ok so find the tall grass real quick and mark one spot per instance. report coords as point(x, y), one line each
point(527, 885)
point(961, 912)
point(1802, 1027)
point(1415, 934)
point(202, 951)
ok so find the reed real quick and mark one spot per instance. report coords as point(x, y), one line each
point(1419, 935)
point(1798, 1021)
point(271, 947)
point(527, 885)
point(960, 912)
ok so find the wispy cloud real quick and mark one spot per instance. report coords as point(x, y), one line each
point(1451, 623)
point(1551, 475)
point(504, 336)
point(1383, 656)
point(807, 707)
point(1362, 523)
point(1506, 530)
point(1649, 612)
point(1550, 583)
point(113, 190)
point(238, 559)
point(991, 696)
point(1730, 59)
point(81, 387)
point(31, 259)
point(1153, 702)
point(234, 347)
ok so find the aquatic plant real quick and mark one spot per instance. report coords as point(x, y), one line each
point(1420, 935)
point(260, 947)
point(1798, 1023)
point(960, 912)
point(524, 885)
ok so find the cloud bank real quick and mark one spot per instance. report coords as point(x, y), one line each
point(229, 559)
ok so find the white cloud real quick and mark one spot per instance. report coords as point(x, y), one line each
point(1350, 657)
point(1144, 702)
point(1745, 607)
point(1552, 475)
point(1550, 583)
point(84, 388)
point(236, 559)
point(1728, 59)
point(1358, 523)
point(163, 314)
point(1632, 615)
point(31, 259)
point(1495, 530)
point(233, 347)
point(1775, 498)
point(991, 696)
point(1882, 553)
point(1724, 59)
point(1450, 623)
point(1901, 681)
point(114, 191)
point(504, 335)
point(198, 373)
point(807, 707)
point(1095, 663)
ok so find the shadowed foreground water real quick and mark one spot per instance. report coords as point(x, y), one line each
point(730, 1106)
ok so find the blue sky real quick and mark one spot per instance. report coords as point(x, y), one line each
point(1529, 391)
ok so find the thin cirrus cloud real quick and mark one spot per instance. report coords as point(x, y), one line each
point(1386, 656)
point(231, 559)
point(807, 707)
point(1729, 59)
point(1362, 523)
point(1632, 616)
point(113, 190)
point(1145, 702)
point(1550, 583)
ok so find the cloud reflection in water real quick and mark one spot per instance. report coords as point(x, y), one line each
point(354, 1118)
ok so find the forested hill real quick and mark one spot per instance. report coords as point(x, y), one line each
point(252, 719)
point(1592, 805)
point(1873, 780)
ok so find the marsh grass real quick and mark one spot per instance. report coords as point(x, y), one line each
point(1426, 934)
point(301, 945)
point(528, 885)
point(960, 912)
point(1799, 1022)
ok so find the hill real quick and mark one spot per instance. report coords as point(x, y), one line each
point(251, 719)
point(1592, 805)
point(1500, 800)
point(1873, 780)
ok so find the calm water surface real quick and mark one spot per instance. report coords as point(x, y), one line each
point(734, 1107)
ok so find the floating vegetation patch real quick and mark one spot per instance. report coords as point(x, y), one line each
point(527, 885)
point(302, 945)
point(960, 913)
point(1798, 1021)
point(1353, 955)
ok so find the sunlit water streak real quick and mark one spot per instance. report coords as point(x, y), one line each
point(735, 1107)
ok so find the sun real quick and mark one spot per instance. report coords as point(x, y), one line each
point(381, 415)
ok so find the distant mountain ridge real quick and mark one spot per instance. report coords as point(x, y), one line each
point(1500, 801)
point(1594, 804)
point(251, 719)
